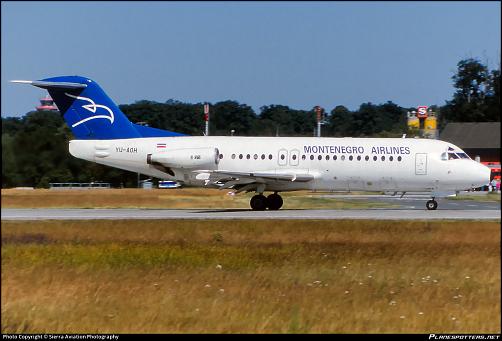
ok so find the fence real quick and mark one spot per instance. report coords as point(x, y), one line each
point(78, 185)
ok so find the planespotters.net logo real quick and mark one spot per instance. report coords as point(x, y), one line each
point(464, 337)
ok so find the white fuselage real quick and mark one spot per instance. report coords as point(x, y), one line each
point(369, 164)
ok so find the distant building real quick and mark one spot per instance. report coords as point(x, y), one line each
point(47, 103)
point(478, 139)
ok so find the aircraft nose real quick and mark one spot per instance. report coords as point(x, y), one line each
point(481, 175)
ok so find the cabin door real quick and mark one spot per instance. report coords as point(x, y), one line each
point(421, 164)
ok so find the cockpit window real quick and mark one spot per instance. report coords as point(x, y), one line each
point(452, 156)
point(463, 155)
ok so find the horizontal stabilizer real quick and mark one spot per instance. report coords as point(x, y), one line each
point(48, 85)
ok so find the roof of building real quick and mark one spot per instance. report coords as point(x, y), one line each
point(472, 134)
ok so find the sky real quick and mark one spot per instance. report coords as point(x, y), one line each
point(299, 54)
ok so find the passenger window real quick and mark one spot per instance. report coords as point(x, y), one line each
point(366, 157)
point(255, 156)
point(263, 156)
point(391, 158)
point(334, 157)
point(351, 157)
point(304, 157)
point(383, 158)
point(319, 157)
point(343, 157)
point(359, 158)
point(248, 156)
point(221, 156)
point(294, 157)
point(374, 158)
point(233, 156)
point(311, 157)
point(399, 158)
point(270, 156)
point(282, 156)
point(327, 157)
point(240, 156)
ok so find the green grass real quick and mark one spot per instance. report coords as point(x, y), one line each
point(481, 198)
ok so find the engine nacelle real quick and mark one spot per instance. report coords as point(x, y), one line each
point(191, 158)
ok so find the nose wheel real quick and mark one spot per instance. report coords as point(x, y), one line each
point(431, 205)
point(260, 203)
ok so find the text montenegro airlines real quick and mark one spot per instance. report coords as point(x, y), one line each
point(327, 149)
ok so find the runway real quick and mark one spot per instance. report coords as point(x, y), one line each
point(125, 214)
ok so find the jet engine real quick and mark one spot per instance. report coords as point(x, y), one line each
point(190, 158)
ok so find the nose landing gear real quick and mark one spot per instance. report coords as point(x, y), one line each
point(431, 204)
point(259, 202)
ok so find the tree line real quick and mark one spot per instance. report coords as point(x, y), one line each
point(35, 146)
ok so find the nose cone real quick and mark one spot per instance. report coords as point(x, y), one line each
point(480, 174)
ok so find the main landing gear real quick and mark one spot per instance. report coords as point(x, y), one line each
point(260, 203)
point(431, 204)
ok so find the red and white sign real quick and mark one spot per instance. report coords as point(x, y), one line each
point(206, 112)
point(422, 111)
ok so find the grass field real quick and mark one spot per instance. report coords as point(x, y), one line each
point(165, 198)
point(486, 197)
point(250, 276)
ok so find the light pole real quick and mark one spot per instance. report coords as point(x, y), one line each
point(206, 118)
point(318, 111)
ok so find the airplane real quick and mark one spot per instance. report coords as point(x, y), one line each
point(103, 134)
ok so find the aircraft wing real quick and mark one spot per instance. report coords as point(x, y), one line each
point(247, 181)
point(260, 177)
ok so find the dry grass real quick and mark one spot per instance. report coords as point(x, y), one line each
point(250, 276)
point(163, 198)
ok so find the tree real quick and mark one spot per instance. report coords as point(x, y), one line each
point(470, 81)
point(231, 115)
point(284, 121)
point(492, 99)
point(477, 95)
point(341, 121)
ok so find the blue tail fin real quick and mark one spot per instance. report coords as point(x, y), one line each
point(90, 113)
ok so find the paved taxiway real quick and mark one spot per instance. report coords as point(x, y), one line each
point(418, 202)
point(117, 214)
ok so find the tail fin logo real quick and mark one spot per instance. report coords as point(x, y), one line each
point(92, 107)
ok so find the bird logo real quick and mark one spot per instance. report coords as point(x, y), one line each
point(92, 107)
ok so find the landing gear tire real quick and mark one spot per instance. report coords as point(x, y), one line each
point(258, 202)
point(274, 201)
point(431, 205)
